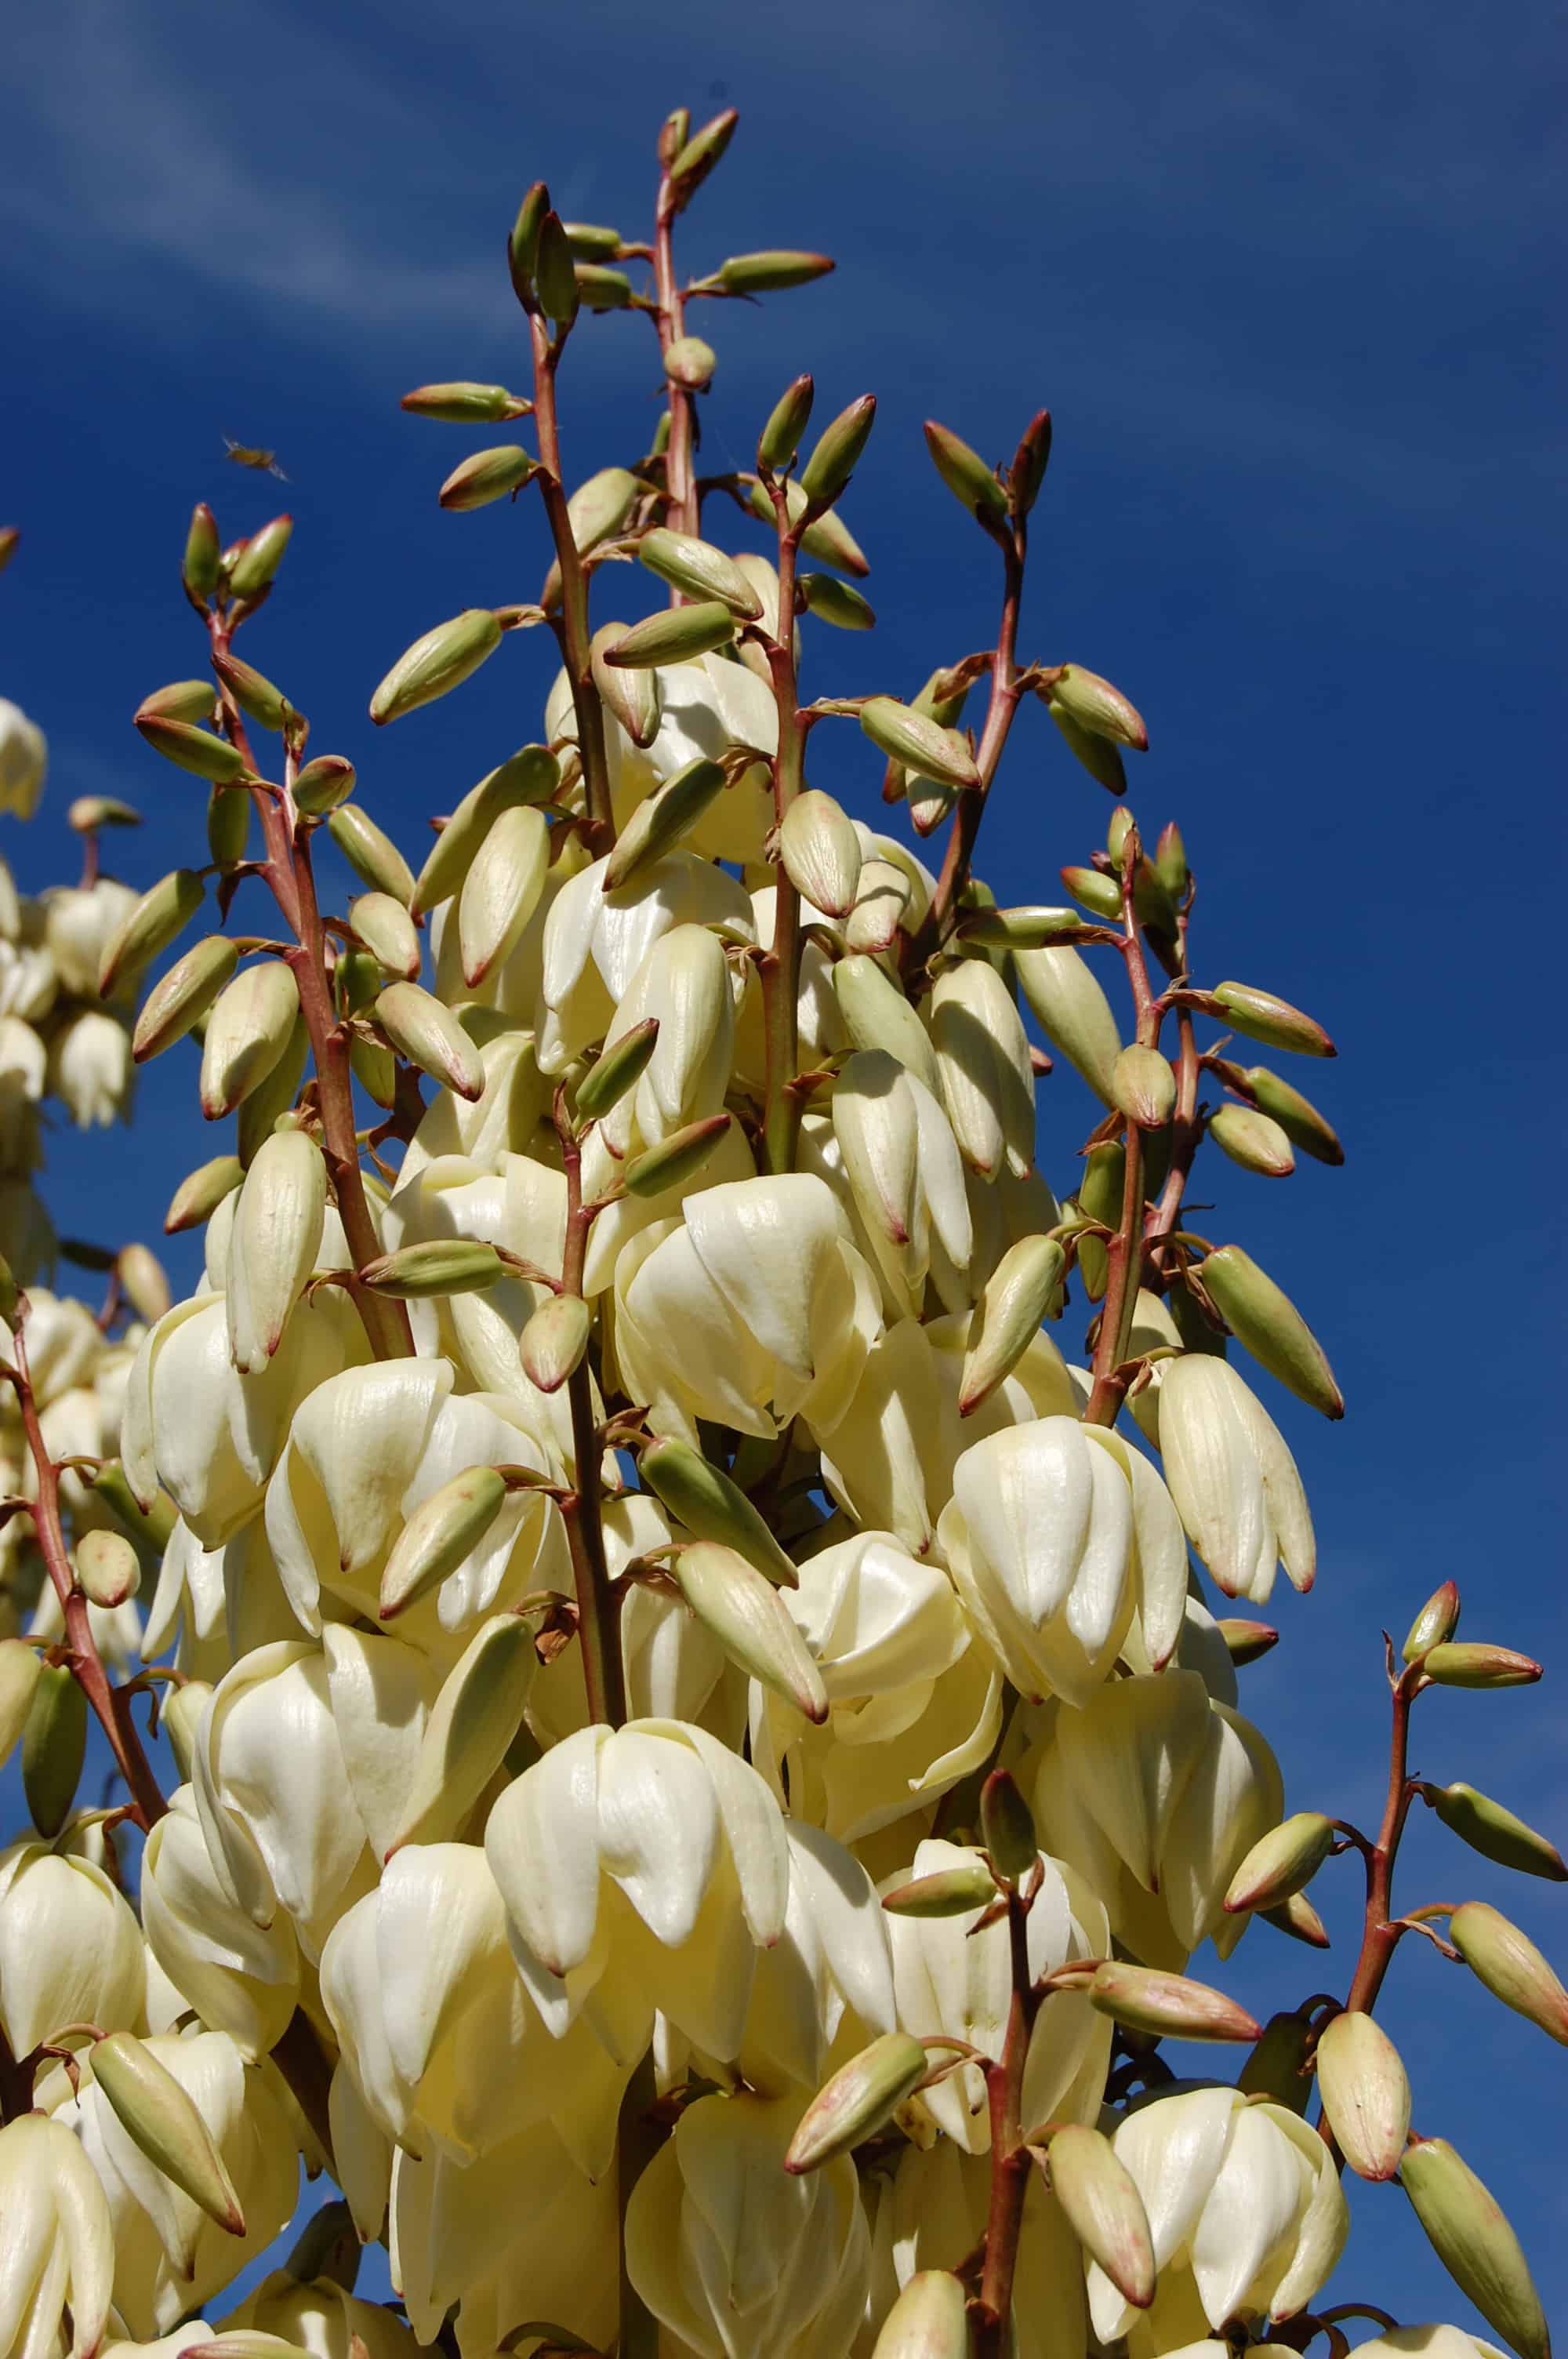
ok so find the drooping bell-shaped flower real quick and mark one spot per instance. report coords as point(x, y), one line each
point(594, 942)
point(1234, 1482)
point(58, 2250)
point(24, 760)
point(70, 1951)
point(320, 2317)
point(242, 1978)
point(91, 1070)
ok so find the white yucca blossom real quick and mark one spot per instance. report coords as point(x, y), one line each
point(58, 2250)
point(70, 1951)
point(80, 922)
point(688, 986)
point(950, 1979)
point(242, 1978)
point(594, 942)
point(1234, 1482)
point(90, 1070)
point(24, 760)
point(932, 2216)
point(321, 2318)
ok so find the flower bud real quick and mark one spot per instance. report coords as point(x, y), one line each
point(861, 2096)
point(633, 696)
point(820, 852)
point(439, 661)
point(929, 2320)
point(876, 1016)
point(1472, 2238)
point(107, 1568)
point(1284, 1860)
point(1030, 927)
point(1511, 1967)
point(690, 363)
point(837, 451)
point(1297, 1920)
point(1065, 1000)
point(835, 601)
point(528, 777)
point(702, 1497)
point(1266, 1321)
point(946, 1892)
point(54, 1746)
point(420, 1273)
point(1168, 2006)
point(1260, 1016)
point(162, 2120)
point(674, 636)
point(193, 749)
point(200, 1192)
point(1366, 2096)
point(1099, 756)
point(1100, 893)
point(1247, 1642)
point(787, 420)
point(1144, 1087)
point(260, 558)
point(973, 484)
point(198, 569)
point(1297, 1117)
point(182, 700)
point(163, 911)
point(1105, 2209)
point(371, 854)
point(486, 475)
point(1096, 706)
point(1495, 1834)
point(618, 1068)
point(228, 826)
point(661, 819)
point(1253, 1140)
point(699, 570)
point(598, 509)
point(273, 1245)
point(827, 538)
point(248, 1030)
point(442, 1530)
point(1275, 2068)
point(252, 692)
point(464, 404)
point(555, 271)
point(677, 1159)
point(921, 743)
point(1438, 1620)
point(1456, 1664)
point(552, 1344)
point(387, 931)
point(1007, 1317)
point(425, 1031)
point(19, 1666)
point(747, 1616)
point(1007, 1827)
point(472, 1724)
point(770, 273)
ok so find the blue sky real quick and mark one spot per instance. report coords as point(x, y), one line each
point(1284, 277)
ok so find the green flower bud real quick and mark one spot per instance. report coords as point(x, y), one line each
point(1007, 1827)
point(1171, 861)
point(632, 696)
point(1101, 758)
point(54, 1746)
point(948, 1892)
point(701, 1496)
point(192, 749)
point(1097, 892)
point(834, 601)
point(1299, 1920)
point(861, 2096)
point(143, 1282)
point(427, 1032)
point(1457, 1664)
point(1104, 2209)
point(618, 1068)
point(674, 636)
point(690, 363)
point(1495, 1834)
point(228, 826)
point(19, 1667)
point(1144, 1087)
point(837, 451)
point(387, 931)
point(486, 475)
point(1066, 1001)
point(107, 1567)
point(827, 538)
point(699, 570)
point(472, 1722)
point(260, 558)
point(601, 289)
point(555, 272)
point(1168, 2006)
point(876, 1016)
point(437, 663)
point(322, 784)
point(973, 484)
point(182, 700)
point(1511, 1967)
point(930, 2320)
point(921, 743)
point(163, 912)
point(1472, 2238)
point(1030, 927)
point(1029, 462)
point(1006, 1319)
point(250, 1026)
point(530, 775)
point(1266, 1320)
point(1260, 1016)
point(676, 1159)
point(598, 509)
point(1438, 1620)
point(1366, 2096)
point(1096, 706)
point(442, 1531)
point(552, 1343)
point(523, 244)
point(1297, 1117)
point(1275, 2068)
point(780, 437)
point(1247, 1642)
point(820, 853)
point(463, 404)
point(159, 2116)
point(182, 997)
point(371, 853)
point(438, 1266)
point(661, 821)
point(699, 154)
point(1254, 1140)
point(1284, 1861)
point(198, 570)
point(769, 274)
point(1100, 1193)
point(590, 243)
point(252, 691)
point(751, 1622)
